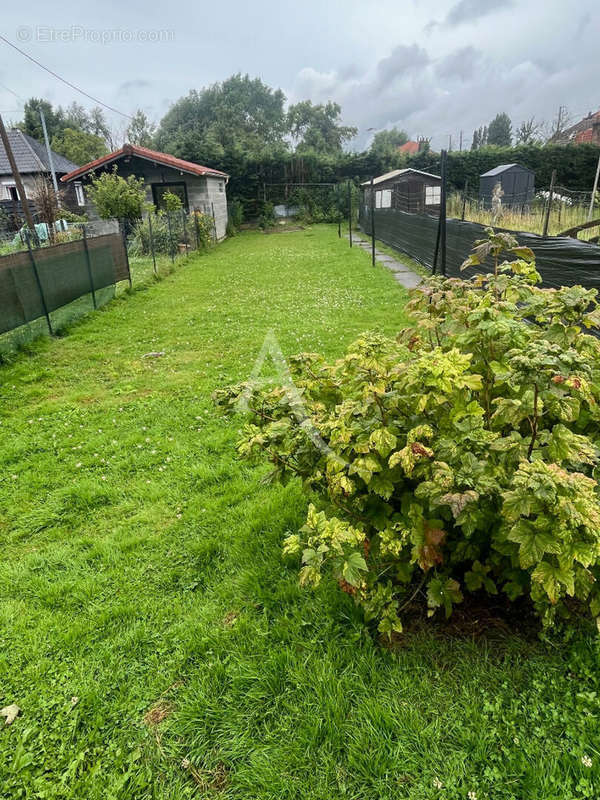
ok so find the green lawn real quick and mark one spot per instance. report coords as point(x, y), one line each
point(142, 571)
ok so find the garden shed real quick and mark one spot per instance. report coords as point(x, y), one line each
point(407, 190)
point(199, 188)
point(517, 183)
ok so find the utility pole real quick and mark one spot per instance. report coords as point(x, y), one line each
point(594, 190)
point(50, 159)
point(449, 142)
point(18, 181)
point(460, 142)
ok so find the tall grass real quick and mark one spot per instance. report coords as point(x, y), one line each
point(531, 218)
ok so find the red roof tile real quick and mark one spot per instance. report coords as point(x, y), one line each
point(149, 155)
point(409, 147)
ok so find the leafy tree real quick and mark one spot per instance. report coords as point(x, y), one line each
point(79, 146)
point(237, 118)
point(529, 132)
point(118, 198)
point(500, 131)
point(140, 130)
point(32, 124)
point(318, 128)
point(480, 138)
point(386, 143)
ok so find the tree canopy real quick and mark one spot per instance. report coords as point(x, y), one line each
point(386, 143)
point(239, 116)
point(500, 131)
point(318, 127)
point(79, 146)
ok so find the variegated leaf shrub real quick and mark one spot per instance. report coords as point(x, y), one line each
point(460, 457)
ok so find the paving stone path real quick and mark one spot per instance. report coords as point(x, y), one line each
point(403, 274)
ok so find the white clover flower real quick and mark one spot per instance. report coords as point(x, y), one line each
point(437, 784)
point(586, 761)
point(78, 464)
point(103, 477)
point(472, 795)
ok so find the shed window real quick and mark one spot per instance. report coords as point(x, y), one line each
point(433, 195)
point(79, 194)
point(386, 198)
point(220, 186)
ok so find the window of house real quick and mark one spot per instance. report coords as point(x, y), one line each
point(433, 195)
point(220, 186)
point(377, 199)
point(386, 198)
point(174, 187)
point(9, 192)
point(79, 194)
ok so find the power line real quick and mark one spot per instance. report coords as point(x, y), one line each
point(68, 83)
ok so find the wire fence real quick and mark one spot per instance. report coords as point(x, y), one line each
point(51, 278)
point(441, 241)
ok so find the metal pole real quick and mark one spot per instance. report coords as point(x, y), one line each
point(443, 216)
point(466, 189)
point(18, 182)
point(196, 228)
point(124, 236)
point(170, 236)
point(550, 196)
point(39, 284)
point(437, 244)
point(594, 190)
point(212, 205)
point(50, 159)
point(350, 212)
point(372, 198)
point(152, 242)
point(89, 267)
point(185, 238)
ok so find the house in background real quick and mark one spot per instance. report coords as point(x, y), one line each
point(586, 131)
point(407, 190)
point(199, 188)
point(517, 183)
point(32, 162)
point(412, 148)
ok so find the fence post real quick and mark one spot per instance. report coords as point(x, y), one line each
point(372, 199)
point(443, 216)
point(124, 236)
point(152, 243)
point(39, 284)
point(464, 204)
point(350, 212)
point(170, 236)
point(212, 205)
point(550, 196)
point(197, 229)
point(185, 237)
point(89, 266)
point(594, 190)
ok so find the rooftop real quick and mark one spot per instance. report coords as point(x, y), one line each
point(31, 155)
point(154, 156)
point(396, 173)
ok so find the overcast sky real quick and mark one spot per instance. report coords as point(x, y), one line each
point(432, 68)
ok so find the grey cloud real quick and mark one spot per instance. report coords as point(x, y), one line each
point(133, 85)
point(403, 59)
point(470, 10)
point(459, 64)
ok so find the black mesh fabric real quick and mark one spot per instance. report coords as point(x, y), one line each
point(560, 260)
point(63, 274)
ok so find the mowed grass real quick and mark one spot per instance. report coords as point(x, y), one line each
point(142, 572)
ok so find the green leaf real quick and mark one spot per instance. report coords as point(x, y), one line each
point(353, 566)
point(534, 540)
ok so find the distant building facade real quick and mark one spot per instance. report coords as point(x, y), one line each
point(586, 131)
point(410, 190)
point(32, 162)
